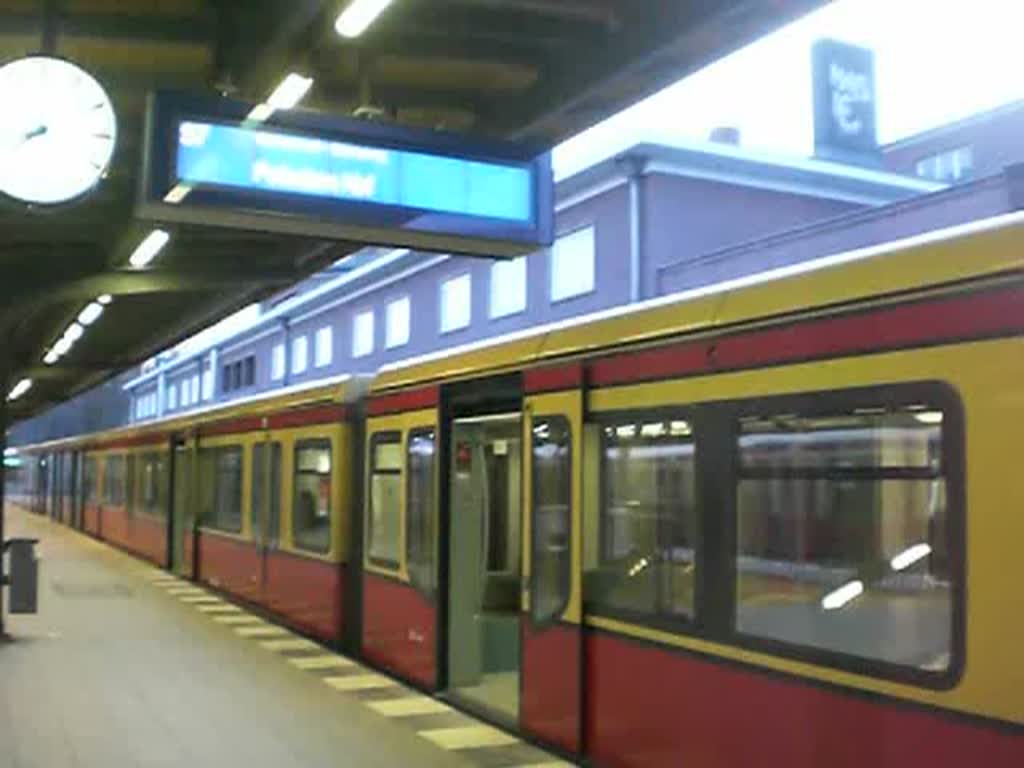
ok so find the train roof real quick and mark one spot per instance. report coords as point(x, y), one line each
point(913, 264)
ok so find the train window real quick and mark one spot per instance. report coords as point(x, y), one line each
point(221, 471)
point(153, 476)
point(89, 480)
point(260, 469)
point(647, 559)
point(551, 560)
point(384, 518)
point(420, 509)
point(130, 484)
point(311, 508)
point(842, 542)
point(113, 481)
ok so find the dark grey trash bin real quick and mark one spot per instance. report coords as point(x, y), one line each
point(23, 575)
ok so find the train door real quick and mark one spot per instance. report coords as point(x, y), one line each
point(265, 507)
point(552, 636)
point(485, 564)
point(184, 500)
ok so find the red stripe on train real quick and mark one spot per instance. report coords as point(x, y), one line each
point(553, 378)
point(398, 402)
point(303, 417)
point(979, 315)
point(652, 707)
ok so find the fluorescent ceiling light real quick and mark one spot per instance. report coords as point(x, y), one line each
point(74, 332)
point(179, 193)
point(91, 313)
point(51, 357)
point(20, 389)
point(909, 556)
point(358, 16)
point(61, 347)
point(840, 597)
point(289, 92)
point(105, 299)
point(259, 114)
point(149, 248)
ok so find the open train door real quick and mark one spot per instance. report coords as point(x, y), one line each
point(552, 632)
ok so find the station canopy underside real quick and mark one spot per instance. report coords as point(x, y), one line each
point(532, 70)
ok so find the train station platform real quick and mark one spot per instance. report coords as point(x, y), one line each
point(126, 665)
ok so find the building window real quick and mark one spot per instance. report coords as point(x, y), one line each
point(311, 515)
point(572, 265)
point(385, 514)
point(842, 533)
point(324, 347)
point(237, 375)
point(420, 510)
point(951, 166)
point(508, 287)
point(195, 388)
point(277, 361)
point(398, 316)
point(300, 354)
point(456, 303)
point(208, 382)
point(648, 529)
point(362, 334)
point(172, 397)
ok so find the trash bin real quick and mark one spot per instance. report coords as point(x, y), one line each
point(23, 575)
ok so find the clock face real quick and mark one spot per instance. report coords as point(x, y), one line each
point(57, 130)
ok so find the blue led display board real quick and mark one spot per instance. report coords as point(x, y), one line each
point(310, 174)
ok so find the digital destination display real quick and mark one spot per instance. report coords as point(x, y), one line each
point(262, 159)
point(208, 162)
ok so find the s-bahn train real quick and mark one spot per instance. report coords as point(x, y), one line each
point(773, 522)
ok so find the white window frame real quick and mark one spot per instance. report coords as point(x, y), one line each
point(501, 273)
point(300, 354)
point(571, 291)
point(324, 352)
point(278, 362)
point(451, 326)
point(362, 333)
point(397, 335)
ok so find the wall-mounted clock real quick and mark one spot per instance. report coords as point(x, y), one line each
point(57, 130)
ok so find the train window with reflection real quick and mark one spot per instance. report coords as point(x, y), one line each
point(153, 481)
point(551, 527)
point(420, 509)
point(311, 508)
point(89, 472)
point(842, 534)
point(648, 531)
point(221, 488)
point(265, 479)
point(384, 518)
point(113, 481)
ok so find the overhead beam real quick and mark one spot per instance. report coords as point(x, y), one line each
point(602, 13)
point(55, 23)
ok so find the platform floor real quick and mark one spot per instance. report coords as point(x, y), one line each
point(126, 665)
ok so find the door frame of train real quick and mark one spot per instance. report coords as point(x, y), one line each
point(478, 397)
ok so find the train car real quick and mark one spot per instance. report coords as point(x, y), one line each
point(770, 521)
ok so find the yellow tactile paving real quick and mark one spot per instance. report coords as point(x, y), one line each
point(262, 630)
point(359, 682)
point(222, 608)
point(407, 707)
point(322, 662)
point(197, 599)
point(468, 737)
point(240, 618)
point(290, 644)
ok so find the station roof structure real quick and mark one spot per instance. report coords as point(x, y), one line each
point(533, 70)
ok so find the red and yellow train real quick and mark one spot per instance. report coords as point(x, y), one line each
point(773, 522)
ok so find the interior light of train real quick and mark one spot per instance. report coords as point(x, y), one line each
point(149, 248)
point(909, 556)
point(680, 428)
point(929, 417)
point(653, 430)
point(837, 598)
point(358, 16)
point(626, 431)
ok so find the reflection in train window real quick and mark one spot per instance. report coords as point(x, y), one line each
point(153, 479)
point(221, 488)
point(113, 481)
point(311, 508)
point(385, 514)
point(420, 514)
point(647, 549)
point(261, 485)
point(552, 518)
point(842, 542)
